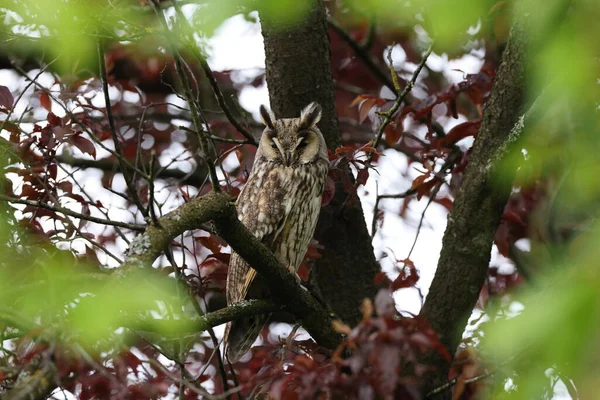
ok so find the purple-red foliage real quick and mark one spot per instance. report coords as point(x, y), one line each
point(378, 359)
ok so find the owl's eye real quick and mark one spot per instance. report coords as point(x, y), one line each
point(273, 145)
point(302, 144)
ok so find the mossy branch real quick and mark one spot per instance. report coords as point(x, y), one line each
point(216, 207)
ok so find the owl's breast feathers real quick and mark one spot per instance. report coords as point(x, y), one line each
point(280, 206)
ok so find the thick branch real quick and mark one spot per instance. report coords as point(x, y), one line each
point(218, 208)
point(467, 242)
point(35, 382)
point(146, 247)
point(206, 321)
point(283, 286)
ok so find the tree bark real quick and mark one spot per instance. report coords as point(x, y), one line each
point(298, 71)
point(465, 256)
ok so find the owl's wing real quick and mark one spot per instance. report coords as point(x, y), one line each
point(263, 208)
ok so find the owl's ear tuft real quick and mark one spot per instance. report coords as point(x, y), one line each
point(310, 115)
point(266, 117)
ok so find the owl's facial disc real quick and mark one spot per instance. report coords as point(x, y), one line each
point(307, 147)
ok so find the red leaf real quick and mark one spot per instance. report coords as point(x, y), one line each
point(419, 181)
point(6, 97)
point(84, 145)
point(501, 238)
point(362, 176)
point(45, 101)
point(360, 98)
point(52, 170)
point(407, 278)
point(12, 128)
point(381, 278)
point(65, 186)
point(364, 108)
point(425, 188)
point(511, 216)
point(461, 131)
point(210, 243)
point(393, 133)
point(446, 202)
point(343, 149)
point(53, 120)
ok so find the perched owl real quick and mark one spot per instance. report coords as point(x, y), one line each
point(280, 205)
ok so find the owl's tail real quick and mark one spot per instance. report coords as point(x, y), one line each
point(241, 333)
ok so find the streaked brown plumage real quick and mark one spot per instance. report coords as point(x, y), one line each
point(280, 204)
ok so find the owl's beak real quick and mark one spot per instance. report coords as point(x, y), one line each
point(289, 158)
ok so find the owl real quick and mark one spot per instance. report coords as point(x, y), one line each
point(280, 205)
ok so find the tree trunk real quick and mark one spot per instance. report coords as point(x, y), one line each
point(298, 71)
point(465, 256)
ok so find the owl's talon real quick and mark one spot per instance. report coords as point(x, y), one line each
point(292, 269)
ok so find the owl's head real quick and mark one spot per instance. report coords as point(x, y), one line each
point(292, 141)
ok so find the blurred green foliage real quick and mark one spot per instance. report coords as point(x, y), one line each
point(71, 30)
point(49, 293)
point(559, 329)
point(557, 336)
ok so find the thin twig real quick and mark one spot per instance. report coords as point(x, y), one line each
point(196, 389)
point(194, 108)
point(431, 198)
point(218, 138)
point(151, 211)
point(362, 54)
point(74, 214)
point(210, 76)
point(378, 198)
point(402, 195)
point(31, 82)
point(387, 116)
point(454, 381)
point(113, 131)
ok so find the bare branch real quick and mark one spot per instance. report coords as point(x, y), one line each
point(70, 213)
point(37, 381)
point(363, 55)
point(217, 207)
point(115, 137)
point(196, 178)
point(221, 100)
point(193, 106)
point(387, 116)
